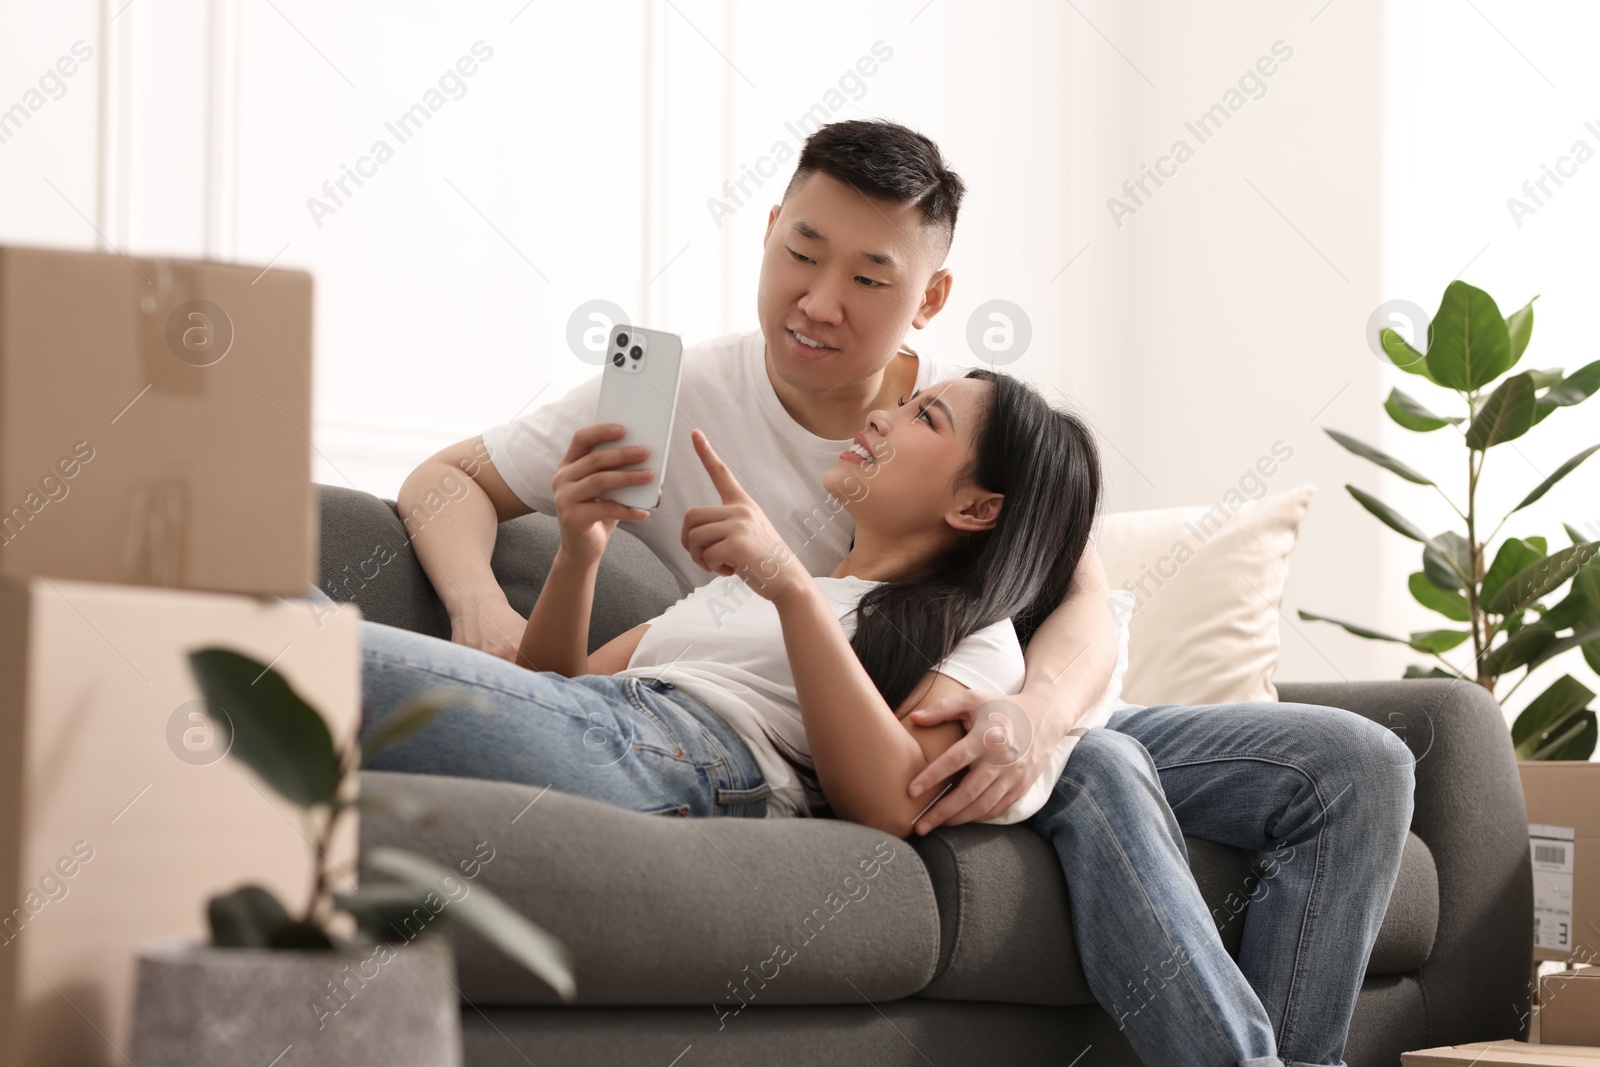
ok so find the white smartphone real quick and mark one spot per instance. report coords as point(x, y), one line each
point(639, 390)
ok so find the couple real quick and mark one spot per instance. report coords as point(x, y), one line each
point(838, 668)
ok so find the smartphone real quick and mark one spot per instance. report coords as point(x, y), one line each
point(639, 390)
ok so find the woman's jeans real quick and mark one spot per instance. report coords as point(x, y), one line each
point(1323, 793)
point(636, 743)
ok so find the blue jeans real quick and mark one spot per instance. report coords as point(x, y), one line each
point(636, 743)
point(1327, 796)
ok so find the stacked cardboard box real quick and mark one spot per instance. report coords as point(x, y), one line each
point(1563, 800)
point(1569, 1007)
point(155, 498)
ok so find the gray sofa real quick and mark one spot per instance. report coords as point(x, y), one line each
point(953, 948)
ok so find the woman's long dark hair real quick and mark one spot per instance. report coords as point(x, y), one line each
point(1046, 463)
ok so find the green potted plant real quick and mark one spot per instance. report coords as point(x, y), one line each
point(269, 979)
point(1497, 596)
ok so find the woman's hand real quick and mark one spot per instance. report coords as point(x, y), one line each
point(735, 537)
point(585, 475)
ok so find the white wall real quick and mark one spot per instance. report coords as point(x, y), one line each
point(1225, 314)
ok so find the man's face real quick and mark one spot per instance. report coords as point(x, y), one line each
point(850, 272)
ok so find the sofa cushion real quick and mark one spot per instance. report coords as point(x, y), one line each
point(664, 910)
point(367, 559)
point(1006, 927)
point(1208, 583)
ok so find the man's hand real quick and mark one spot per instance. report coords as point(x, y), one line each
point(495, 628)
point(1005, 750)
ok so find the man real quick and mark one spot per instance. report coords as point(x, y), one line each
point(853, 256)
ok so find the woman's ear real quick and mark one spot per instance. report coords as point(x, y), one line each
point(978, 513)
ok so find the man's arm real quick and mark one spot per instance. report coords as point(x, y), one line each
point(1069, 663)
point(1074, 651)
point(452, 505)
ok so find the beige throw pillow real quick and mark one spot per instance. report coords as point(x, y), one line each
point(1208, 583)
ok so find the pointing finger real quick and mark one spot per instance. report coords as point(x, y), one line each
point(721, 476)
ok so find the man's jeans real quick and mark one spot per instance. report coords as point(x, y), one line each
point(1327, 796)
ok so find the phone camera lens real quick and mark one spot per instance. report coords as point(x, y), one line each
point(617, 359)
point(622, 340)
point(637, 352)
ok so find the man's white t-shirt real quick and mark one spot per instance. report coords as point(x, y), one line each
point(725, 392)
point(723, 643)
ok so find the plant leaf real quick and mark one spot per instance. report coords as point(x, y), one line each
point(276, 733)
point(1416, 671)
point(1575, 388)
point(244, 918)
point(1547, 713)
point(1505, 416)
point(1382, 459)
point(1390, 517)
point(1449, 603)
point(1581, 606)
point(1468, 343)
point(381, 910)
point(1437, 640)
point(1445, 549)
point(1517, 650)
point(1575, 742)
point(1514, 557)
point(1544, 379)
point(300, 935)
point(489, 916)
point(1419, 642)
point(1544, 576)
point(1359, 631)
point(1401, 354)
point(1574, 533)
point(1519, 328)
point(1413, 416)
point(1566, 644)
point(1560, 473)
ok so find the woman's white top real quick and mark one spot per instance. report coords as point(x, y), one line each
point(723, 643)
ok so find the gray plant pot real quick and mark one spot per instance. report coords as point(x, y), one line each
point(367, 1006)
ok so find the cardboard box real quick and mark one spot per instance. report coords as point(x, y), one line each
point(119, 818)
point(1503, 1054)
point(1563, 799)
point(1569, 1007)
point(154, 422)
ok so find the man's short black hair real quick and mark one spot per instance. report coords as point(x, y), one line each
point(887, 161)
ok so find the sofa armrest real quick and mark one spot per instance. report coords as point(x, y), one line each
point(1470, 814)
point(366, 559)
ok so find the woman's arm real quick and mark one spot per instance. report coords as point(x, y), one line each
point(864, 756)
point(557, 635)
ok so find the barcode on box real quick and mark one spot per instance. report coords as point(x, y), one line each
point(1555, 854)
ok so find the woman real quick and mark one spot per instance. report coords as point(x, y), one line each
point(788, 693)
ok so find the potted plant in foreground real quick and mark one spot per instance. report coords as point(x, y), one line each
point(1498, 595)
point(270, 981)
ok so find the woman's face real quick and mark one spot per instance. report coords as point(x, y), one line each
point(917, 448)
